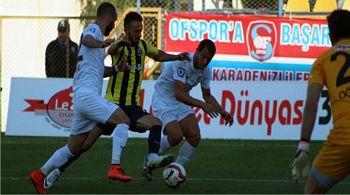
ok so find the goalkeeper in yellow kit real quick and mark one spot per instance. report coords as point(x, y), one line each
point(331, 69)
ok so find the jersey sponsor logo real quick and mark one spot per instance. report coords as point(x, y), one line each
point(59, 108)
point(345, 93)
point(181, 72)
point(138, 67)
point(342, 47)
point(261, 38)
point(135, 67)
point(139, 52)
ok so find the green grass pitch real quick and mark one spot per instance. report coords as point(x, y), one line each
point(219, 166)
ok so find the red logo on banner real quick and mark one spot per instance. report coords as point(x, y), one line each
point(59, 107)
point(261, 40)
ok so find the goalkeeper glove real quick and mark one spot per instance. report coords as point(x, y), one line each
point(300, 163)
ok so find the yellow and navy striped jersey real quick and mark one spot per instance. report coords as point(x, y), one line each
point(124, 87)
point(332, 69)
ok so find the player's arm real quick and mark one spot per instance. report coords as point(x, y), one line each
point(109, 71)
point(300, 164)
point(90, 41)
point(310, 111)
point(116, 45)
point(163, 56)
point(209, 98)
point(182, 96)
point(120, 67)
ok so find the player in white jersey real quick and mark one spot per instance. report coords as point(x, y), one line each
point(172, 103)
point(89, 107)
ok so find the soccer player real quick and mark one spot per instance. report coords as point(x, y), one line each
point(124, 90)
point(89, 107)
point(172, 103)
point(331, 69)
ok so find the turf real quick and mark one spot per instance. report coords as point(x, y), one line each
point(219, 166)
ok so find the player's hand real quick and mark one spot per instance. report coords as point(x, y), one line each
point(125, 42)
point(300, 164)
point(228, 118)
point(122, 66)
point(184, 56)
point(209, 109)
point(107, 42)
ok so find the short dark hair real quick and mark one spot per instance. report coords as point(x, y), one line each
point(339, 23)
point(131, 17)
point(209, 44)
point(105, 9)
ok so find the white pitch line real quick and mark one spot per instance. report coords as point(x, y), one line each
point(206, 144)
point(188, 179)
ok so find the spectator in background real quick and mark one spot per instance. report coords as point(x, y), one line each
point(57, 63)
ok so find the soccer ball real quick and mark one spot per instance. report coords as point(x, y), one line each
point(174, 175)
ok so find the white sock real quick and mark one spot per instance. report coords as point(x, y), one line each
point(164, 145)
point(152, 156)
point(185, 153)
point(59, 158)
point(120, 137)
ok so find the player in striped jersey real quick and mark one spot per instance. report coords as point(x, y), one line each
point(124, 90)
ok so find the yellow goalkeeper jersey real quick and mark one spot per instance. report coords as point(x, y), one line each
point(332, 69)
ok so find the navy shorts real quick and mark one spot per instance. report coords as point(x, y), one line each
point(134, 112)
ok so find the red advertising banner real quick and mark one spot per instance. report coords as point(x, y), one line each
point(260, 37)
point(261, 110)
point(251, 48)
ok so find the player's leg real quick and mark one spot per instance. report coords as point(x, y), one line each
point(190, 129)
point(313, 186)
point(94, 108)
point(118, 116)
point(91, 138)
point(152, 159)
point(65, 153)
point(56, 173)
point(114, 120)
point(154, 125)
point(330, 166)
point(119, 140)
point(59, 158)
point(167, 113)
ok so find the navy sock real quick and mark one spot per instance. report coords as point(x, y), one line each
point(70, 161)
point(154, 139)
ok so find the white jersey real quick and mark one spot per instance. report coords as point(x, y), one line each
point(90, 66)
point(184, 72)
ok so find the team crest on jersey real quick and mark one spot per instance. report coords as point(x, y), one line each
point(139, 52)
point(181, 72)
point(261, 40)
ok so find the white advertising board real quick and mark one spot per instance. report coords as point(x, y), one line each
point(261, 110)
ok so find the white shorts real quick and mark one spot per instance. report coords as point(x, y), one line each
point(170, 111)
point(89, 109)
